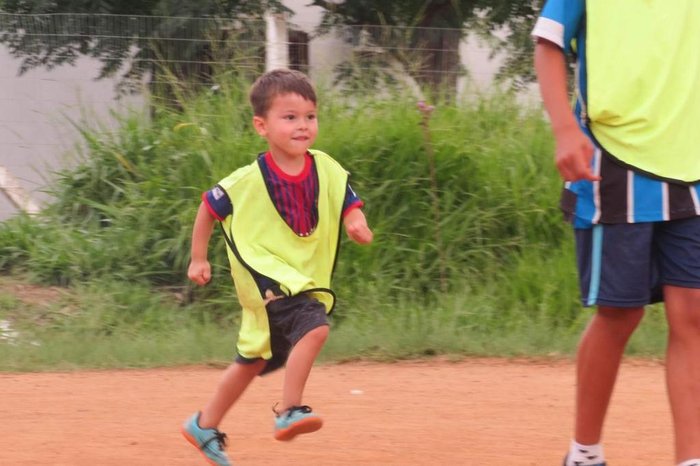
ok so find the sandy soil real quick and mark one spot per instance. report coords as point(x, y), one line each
point(475, 412)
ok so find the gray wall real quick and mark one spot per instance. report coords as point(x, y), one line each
point(36, 110)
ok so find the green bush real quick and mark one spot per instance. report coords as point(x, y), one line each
point(124, 212)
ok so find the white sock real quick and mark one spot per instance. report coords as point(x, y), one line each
point(693, 462)
point(585, 455)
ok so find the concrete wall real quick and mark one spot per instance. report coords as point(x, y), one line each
point(327, 51)
point(36, 114)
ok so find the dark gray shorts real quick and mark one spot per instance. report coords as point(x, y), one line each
point(290, 318)
point(626, 265)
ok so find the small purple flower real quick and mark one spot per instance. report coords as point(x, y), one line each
point(424, 108)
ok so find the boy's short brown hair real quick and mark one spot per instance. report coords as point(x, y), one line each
point(278, 82)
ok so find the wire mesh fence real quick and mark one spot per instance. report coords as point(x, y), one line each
point(56, 65)
point(193, 48)
point(130, 47)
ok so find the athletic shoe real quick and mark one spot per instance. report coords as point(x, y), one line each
point(296, 420)
point(567, 457)
point(210, 442)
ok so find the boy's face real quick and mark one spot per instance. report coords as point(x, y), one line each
point(290, 125)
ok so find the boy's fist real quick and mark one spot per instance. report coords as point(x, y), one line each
point(356, 227)
point(199, 272)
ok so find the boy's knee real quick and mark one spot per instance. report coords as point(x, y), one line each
point(319, 335)
point(254, 366)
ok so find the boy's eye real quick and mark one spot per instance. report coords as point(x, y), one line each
point(311, 117)
point(289, 117)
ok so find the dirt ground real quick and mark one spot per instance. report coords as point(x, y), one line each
point(475, 412)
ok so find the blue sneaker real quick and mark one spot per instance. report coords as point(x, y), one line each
point(210, 442)
point(296, 420)
point(567, 457)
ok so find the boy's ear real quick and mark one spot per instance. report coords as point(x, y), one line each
point(259, 124)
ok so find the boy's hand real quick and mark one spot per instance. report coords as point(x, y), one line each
point(356, 227)
point(573, 155)
point(199, 272)
point(270, 296)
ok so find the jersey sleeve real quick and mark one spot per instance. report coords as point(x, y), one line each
point(560, 21)
point(218, 202)
point(352, 200)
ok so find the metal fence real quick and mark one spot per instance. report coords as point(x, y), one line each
point(195, 47)
point(112, 55)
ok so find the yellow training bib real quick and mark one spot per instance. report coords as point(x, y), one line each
point(643, 83)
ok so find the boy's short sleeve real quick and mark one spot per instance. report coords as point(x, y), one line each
point(218, 202)
point(560, 21)
point(352, 200)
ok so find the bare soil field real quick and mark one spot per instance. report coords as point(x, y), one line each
point(477, 412)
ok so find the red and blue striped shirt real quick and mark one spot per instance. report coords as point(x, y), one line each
point(295, 196)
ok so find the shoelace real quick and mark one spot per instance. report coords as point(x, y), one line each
point(220, 438)
point(304, 409)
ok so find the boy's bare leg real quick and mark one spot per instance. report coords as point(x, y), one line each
point(299, 364)
point(683, 368)
point(234, 381)
point(598, 360)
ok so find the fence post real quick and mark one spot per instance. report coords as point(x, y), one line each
point(276, 41)
point(15, 193)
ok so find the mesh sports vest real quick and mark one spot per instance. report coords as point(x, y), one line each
point(261, 243)
point(643, 73)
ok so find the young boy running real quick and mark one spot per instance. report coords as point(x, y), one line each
point(281, 218)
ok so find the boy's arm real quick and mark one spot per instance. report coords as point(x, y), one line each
point(574, 150)
point(199, 270)
point(356, 226)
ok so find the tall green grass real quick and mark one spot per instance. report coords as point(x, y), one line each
point(120, 225)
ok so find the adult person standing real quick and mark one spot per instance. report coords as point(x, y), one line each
point(629, 154)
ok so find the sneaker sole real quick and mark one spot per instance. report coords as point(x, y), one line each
point(303, 426)
point(566, 458)
point(195, 444)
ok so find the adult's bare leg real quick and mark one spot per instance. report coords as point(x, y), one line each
point(598, 359)
point(683, 368)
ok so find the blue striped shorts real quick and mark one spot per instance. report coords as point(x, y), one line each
point(627, 264)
